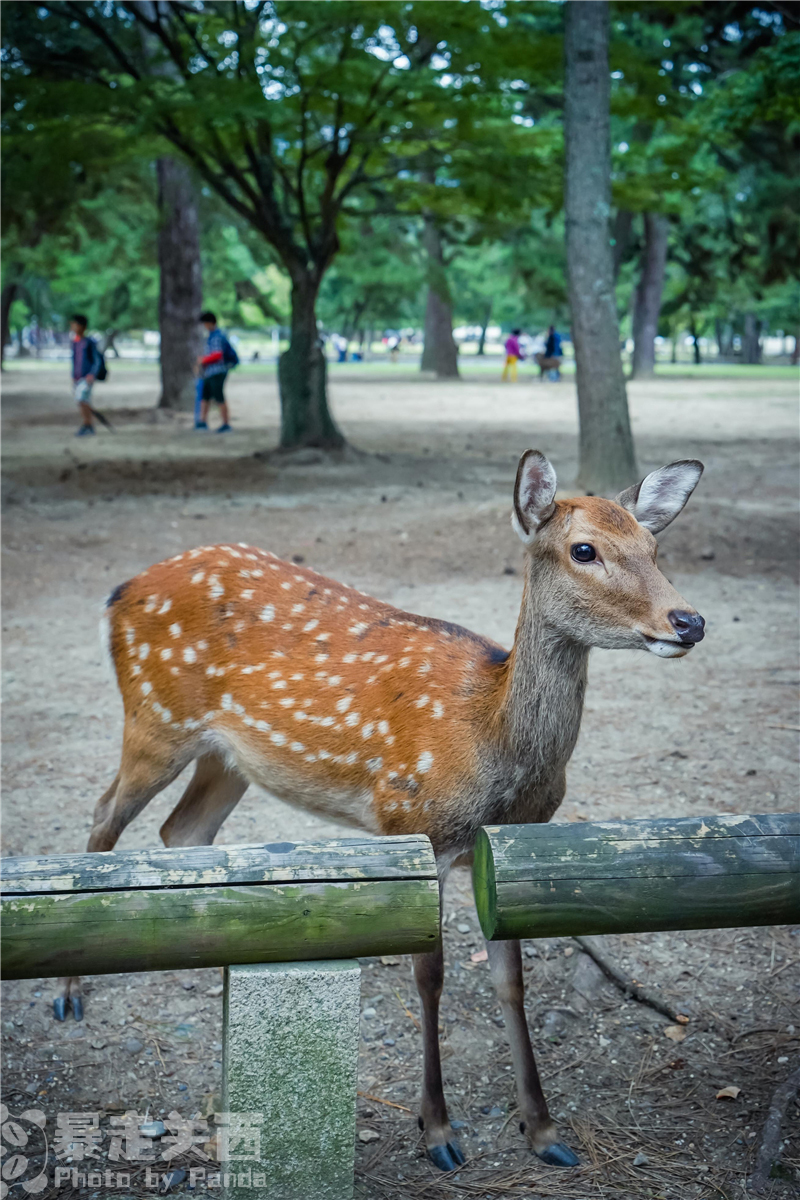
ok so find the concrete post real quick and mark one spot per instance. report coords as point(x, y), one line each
point(290, 1051)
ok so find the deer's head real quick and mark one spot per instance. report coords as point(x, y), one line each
point(597, 581)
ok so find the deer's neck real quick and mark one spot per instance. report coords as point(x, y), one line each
point(542, 693)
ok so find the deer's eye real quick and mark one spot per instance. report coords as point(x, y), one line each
point(582, 552)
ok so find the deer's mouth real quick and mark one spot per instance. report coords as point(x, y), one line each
point(666, 647)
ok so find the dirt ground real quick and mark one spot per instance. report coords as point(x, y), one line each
point(420, 517)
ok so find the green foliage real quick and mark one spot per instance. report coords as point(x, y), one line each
point(324, 135)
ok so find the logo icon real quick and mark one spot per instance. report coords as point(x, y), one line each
point(24, 1151)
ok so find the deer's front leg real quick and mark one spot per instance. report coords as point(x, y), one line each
point(505, 961)
point(439, 1137)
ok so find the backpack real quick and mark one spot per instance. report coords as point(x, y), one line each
point(101, 374)
point(229, 355)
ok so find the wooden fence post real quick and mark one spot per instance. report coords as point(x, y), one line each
point(290, 1055)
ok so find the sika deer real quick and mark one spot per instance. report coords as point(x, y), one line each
point(265, 672)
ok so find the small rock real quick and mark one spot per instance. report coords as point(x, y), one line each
point(368, 1135)
point(641, 1160)
point(152, 1129)
point(495, 1111)
point(531, 952)
point(568, 952)
point(708, 554)
point(368, 1014)
point(171, 1179)
point(588, 980)
point(458, 1124)
point(554, 1024)
point(390, 960)
point(133, 1045)
point(216, 990)
point(391, 1042)
point(99, 1044)
point(32, 1087)
point(464, 928)
point(187, 985)
point(604, 1041)
point(182, 1087)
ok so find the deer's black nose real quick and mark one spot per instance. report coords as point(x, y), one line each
point(688, 626)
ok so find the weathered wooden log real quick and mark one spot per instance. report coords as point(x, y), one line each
point(637, 876)
point(135, 910)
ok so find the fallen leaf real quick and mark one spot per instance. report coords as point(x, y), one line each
point(216, 990)
point(728, 1093)
point(479, 956)
point(368, 1135)
point(682, 1018)
point(390, 960)
point(675, 1033)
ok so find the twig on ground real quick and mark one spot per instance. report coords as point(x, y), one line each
point(769, 1150)
point(406, 1009)
point(628, 986)
point(377, 1099)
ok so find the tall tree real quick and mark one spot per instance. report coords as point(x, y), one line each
point(607, 460)
point(181, 288)
point(647, 299)
point(439, 351)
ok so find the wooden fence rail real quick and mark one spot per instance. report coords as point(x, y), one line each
point(287, 921)
point(212, 906)
point(637, 876)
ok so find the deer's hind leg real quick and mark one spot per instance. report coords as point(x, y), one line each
point(211, 796)
point(149, 764)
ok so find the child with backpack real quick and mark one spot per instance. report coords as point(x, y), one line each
point(219, 358)
point(88, 366)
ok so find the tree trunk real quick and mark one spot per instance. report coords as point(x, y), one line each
point(302, 378)
point(751, 342)
point(647, 304)
point(795, 359)
point(484, 327)
point(723, 337)
point(607, 459)
point(439, 353)
point(623, 224)
point(695, 342)
point(7, 298)
point(181, 290)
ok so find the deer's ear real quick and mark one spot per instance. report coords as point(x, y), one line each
point(534, 493)
point(661, 495)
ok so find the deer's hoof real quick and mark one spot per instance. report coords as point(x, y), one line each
point(446, 1157)
point(60, 1008)
point(76, 1004)
point(558, 1155)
